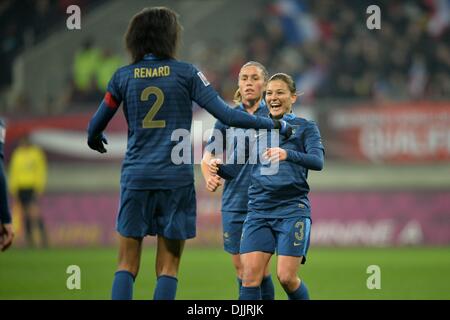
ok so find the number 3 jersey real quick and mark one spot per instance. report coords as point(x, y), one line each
point(157, 97)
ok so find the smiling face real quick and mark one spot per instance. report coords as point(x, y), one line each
point(279, 98)
point(251, 84)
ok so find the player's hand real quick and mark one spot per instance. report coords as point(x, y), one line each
point(213, 182)
point(213, 166)
point(284, 127)
point(275, 154)
point(96, 143)
point(6, 236)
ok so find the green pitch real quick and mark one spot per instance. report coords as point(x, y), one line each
point(332, 273)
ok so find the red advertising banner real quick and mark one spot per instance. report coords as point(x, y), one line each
point(395, 133)
point(349, 218)
point(372, 218)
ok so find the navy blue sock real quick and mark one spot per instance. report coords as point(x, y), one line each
point(166, 288)
point(300, 294)
point(122, 288)
point(267, 288)
point(239, 280)
point(250, 293)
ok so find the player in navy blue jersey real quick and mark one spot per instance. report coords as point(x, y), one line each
point(157, 192)
point(279, 211)
point(6, 229)
point(249, 96)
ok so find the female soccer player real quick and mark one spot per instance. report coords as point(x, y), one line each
point(157, 193)
point(278, 209)
point(249, 96)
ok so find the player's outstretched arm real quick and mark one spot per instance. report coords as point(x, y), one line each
point(236, 118)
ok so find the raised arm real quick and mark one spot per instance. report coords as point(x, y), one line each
point(207, 98)
point(236, 118)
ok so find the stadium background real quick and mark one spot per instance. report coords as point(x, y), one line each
point(380, 97)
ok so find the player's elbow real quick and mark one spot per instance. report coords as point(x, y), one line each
point(317, 165)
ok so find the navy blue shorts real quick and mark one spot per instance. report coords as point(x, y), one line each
point(169, 213)
point(232, 223)
point(287, 236)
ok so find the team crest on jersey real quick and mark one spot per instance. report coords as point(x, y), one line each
point(203, 78)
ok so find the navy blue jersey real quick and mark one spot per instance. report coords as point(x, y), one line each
point(166, 89)
point(5, 216)
point(285, 194)
point(157, 97)
point(235, 191)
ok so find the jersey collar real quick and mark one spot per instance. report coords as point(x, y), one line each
point(261, 105)
point(287, 116)
point(150, 56)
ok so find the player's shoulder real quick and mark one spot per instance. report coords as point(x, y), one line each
point(304, 122)
point(122, 73)
point(182, 66)
point(125, 69)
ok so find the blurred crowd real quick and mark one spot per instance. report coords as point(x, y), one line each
point(24, 23)
point(328, 48)
point(325, 45)
point(92, 69)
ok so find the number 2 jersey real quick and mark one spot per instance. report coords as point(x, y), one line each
point(157, 97)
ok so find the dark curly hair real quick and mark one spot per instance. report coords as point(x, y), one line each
point(154, 30)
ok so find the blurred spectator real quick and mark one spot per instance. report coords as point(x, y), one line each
point(28, 177)
point(109, 63)
point(92, 70)
point(85, 65)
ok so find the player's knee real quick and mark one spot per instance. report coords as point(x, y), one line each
point(131, 266)
point(238, 266)
point(252, 276)
point(287, 279)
